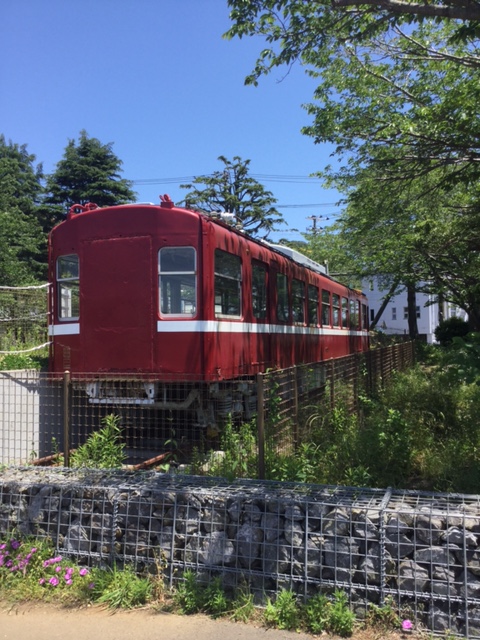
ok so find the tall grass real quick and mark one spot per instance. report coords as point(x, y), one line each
point(421, 431)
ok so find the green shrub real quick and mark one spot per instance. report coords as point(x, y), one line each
point(104, 449)
point(340, 617)
point(451, 328)
point(122, 588)
point(283, 613)
point(192, 596)
point(316, 613)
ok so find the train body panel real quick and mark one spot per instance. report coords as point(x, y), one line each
point(167, 293)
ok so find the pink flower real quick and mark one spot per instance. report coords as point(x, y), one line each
point(41, 581)
point(53, 581)
point(83, 572)
point(407, 625)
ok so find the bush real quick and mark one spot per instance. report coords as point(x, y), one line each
point(451, 328)
point(104, 449)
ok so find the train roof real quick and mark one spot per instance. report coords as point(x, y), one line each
point(222, 218)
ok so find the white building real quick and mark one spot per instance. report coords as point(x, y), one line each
point(394, 318)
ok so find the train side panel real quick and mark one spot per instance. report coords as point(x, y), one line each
point(170, 292)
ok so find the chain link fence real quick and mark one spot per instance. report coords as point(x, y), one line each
point(42, 415)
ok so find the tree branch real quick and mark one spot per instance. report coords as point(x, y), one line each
point(457, 12)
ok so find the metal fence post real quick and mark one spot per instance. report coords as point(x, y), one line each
point(66, 418)
point(295, 407)
point(261, 426)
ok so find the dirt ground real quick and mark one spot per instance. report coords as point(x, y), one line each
point(48, 622)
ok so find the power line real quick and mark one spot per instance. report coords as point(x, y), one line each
point(267, 177)
point(310, 206)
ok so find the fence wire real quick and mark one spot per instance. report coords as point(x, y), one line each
point(42, 415)
point(23, 319)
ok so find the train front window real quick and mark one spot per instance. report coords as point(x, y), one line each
point(178, 281)
point(68, 287)
point(228, 284)
point(259, 291)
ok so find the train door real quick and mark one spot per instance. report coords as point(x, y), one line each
point(117, 306)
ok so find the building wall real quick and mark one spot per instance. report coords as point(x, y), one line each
point(394, 319)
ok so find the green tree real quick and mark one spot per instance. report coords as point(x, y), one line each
point(398, 97)
point(380, 84)
point(88, 172)
point(233, 190)
point(22, 243)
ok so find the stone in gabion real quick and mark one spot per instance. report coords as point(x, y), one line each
point(399, 537)
point(412, 576)
point(276, 557)
point(76, 539)
point(247, 543)
point(216, 549)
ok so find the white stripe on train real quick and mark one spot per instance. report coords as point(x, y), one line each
point(220, 326)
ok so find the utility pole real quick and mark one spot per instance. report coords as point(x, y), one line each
point(314, 229)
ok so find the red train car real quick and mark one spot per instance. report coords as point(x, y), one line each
point(164, 292)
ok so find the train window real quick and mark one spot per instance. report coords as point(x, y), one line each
point(68, 287)
point(353, 315)
point(298, 301)
point(312, 305)
point(282, 298)
point(345, 313)
point(178, 281)
point(364, 316)
point(228, 284)
point(336, 309)
point(259, 291)
point(325, 307)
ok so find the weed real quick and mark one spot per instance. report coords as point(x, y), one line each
point(283, 613)
point(189, 596)
point(239, 448)
point(215, 601)
point(243, 606)
point(385, 616)
point(340, 617)
point(104, 449)
point(315, 613)
point(122, 588)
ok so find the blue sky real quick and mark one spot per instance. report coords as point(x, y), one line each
point(156, 79)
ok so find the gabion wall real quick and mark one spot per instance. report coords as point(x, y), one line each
point(417, 551)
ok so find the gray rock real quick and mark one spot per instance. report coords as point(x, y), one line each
point(248, 542)
point(412, 577)
point(76, 539)
point(216, 549)
point(337, 523)
point(276, 557)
